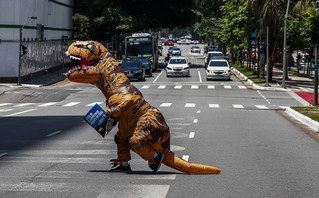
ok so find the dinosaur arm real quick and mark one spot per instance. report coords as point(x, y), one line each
point(117, 110)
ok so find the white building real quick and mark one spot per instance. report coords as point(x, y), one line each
point(44, 23)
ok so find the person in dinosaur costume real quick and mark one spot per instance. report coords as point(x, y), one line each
point(141, 127)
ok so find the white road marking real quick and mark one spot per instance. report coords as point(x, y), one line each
point(155, 191)
point(191, 135)
point(14, 114)
point(185, 157)
point(238, 106)
point(93, 103)
point(198, 111)
point(211, 86)
point(261, 107)
point(283, 107)
point(5, 104)
point(3, 154)
point(158, 76)
point(71, 104)
point(54, 133)
point(227, 86)
point(23, 104)
point(5, 110)
point(200, 77)
point(165, 104)
point(194, 87)
point(47, 104)
point(190, 105)
point(162, 87)
point(195, 121)
point(178, 86)
point(242, 87)
point(146, 87)
point(213, 105)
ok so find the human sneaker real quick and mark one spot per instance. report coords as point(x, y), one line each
point(158, 162)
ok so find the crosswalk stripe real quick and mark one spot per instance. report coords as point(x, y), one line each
point(261, 107)
point(242, 87)
point(178, 86)
point(24, 104)
point(162, 87)
point(71, 104)
point(146, 86)
point(213, 105)
point(190, 105)
point(165, 104)
point(21, 112)
point(93, 103)
point(238, 106)
point(47, 104)
point(194, 87)
point(211, 86)
point(5, 104)
point(227, 87)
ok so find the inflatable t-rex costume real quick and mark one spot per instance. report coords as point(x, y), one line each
point(142, 128)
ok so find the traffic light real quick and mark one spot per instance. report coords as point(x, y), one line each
point(262, 49)
point(24, 50)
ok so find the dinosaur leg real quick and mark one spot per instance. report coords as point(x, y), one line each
point(123, 149)
point(151, 135)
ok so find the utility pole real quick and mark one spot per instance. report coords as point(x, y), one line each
point(316, 77)
point(267, 58)
point(284, 61)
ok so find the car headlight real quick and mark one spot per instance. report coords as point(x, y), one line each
point(227, 71)
point(168, 68)
point(210, 71)
point(186, 68)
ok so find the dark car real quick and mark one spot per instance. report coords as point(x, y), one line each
point(133, 69)
point(169, 43)
point(147, 65)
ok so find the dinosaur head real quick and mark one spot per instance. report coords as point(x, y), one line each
point(85, 56)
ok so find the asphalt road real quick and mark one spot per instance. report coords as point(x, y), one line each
point(47, 150)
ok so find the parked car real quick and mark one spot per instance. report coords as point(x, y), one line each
point(218, 69)
point(195, 49)
point(176, 51)
point(169, 43)
point(213, 55)
point(178, 66)
point(133, 69)
point(147, 65)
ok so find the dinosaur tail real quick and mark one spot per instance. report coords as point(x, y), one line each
point(174, 161)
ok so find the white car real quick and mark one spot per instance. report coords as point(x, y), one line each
point(195, 49)
point(176, 51)
point(178, 66)
point(218, 69)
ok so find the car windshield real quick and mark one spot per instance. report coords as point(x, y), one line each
point(177, 61)
point(215, 55)
point(176, 48)
point(195, 47)
point(218, 64)
point(131, 64)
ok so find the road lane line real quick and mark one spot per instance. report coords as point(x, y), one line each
point(227, 87)
point(158, 76)
point(185, 157)
point(165, 104)
point(14, 114)
point(145, 87)
point(213, 105)
point(261, 107)
point(190, 105)
point(162, 87)
point(23, 104)
point(178, 86)
point(194, 87)
point(191, 135)
point(211, 87)
point(199, 111)
point(195, 121)
point(5, 110)
point(242, 87)
point(54, 133)
point(200, 77)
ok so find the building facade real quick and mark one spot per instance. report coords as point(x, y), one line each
point(46, 29)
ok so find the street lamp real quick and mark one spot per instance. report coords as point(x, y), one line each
point(20, 46)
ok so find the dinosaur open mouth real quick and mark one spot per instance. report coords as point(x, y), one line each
point(78, 64)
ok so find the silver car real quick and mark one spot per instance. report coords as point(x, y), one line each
point(178, 66)
point(176, 51)
point(218, 69)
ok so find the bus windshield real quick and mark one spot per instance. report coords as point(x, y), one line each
point(139, 49)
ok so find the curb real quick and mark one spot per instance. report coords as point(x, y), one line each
point(255, 86)
point(304, 119)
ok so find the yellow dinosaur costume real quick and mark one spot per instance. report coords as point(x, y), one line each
point(142, 128)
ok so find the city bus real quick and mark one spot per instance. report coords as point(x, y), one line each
point(142, 45)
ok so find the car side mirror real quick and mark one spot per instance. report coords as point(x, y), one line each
point(189, 63)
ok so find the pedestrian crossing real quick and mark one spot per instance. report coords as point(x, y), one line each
point(192, 87)
point(7, 107)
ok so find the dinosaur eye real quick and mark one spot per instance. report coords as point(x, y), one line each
point(89, 46)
